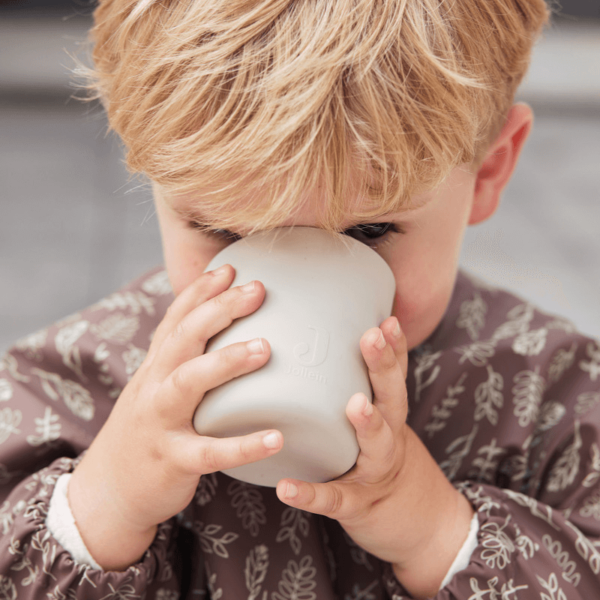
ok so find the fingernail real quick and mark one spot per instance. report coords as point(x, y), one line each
point(256, 346)
point(271, 441)
point(397, 331)
point(380, 342)
point(220, 271)
point(248, 288)
point(367, 408)
point(292, 491)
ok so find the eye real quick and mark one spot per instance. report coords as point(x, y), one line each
point(372, 231)
point(223, 234)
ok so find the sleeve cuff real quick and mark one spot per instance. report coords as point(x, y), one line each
point(62, 526)
point(464, 554)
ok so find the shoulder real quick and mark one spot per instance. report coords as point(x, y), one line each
point(92, 353)
point(486, 325)
point(500, 370)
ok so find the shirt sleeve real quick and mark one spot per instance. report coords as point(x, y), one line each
point(464, 554)
point(57, 387)
point(538, 514)
point(61, 524)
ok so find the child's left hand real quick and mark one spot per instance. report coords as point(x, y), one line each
point(395, 503)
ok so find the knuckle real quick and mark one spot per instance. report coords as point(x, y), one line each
point(208, 458)
point(245, 450)
point(222, 300)
point(171, 312)
point(178, 332)
point(229, 356)
point(333, 504)
point(179, 380)
point(389, 361)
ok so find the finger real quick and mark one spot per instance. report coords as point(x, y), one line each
point(386, 375)
point(376, 440)
point(395, 337)
point(202, 454)
point(334, 499)
point(205, 287)
point(182, 391)
point(188, 339)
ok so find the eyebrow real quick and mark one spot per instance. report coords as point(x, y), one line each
point(202, 220)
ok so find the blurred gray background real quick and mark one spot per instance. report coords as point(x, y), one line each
point(74, 226)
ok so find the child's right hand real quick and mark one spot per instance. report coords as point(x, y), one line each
point(145, 464)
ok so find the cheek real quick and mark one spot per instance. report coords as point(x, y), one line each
point(420, 305)
point(185, 261)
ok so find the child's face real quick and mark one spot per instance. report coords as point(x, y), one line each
point(424, 259)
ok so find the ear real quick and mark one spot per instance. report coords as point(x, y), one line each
point(500, 162)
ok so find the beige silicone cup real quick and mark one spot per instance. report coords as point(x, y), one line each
point(323, 291)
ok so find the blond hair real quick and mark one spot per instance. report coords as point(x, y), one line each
point(282, 97)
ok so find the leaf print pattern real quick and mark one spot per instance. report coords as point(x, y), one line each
point(133, 358)
point(207, 489)
point(255, 572)
point(425, 362)
point(524, 544)
point(249, 507)
point(9, 422)
point(591, 507)
point(586, 549)
point(518, 322)
point(568, 566)
point(76, 397)
point(47, 428)
point(157, 285)
point(293, 520)
point(9, 363)
point(442, 412)
point(134, 302)
point(65, 345)
point(552, 586)
point(563, 473)
point(486, 463)
point(211, 543)
point(100, 356)
point(587, 401)
point(477, 353)
point(498, 545)
point(561, 362)
point(297, 581)
point(531, 343)
point(528, 390)
point(6, 390)
point(117, 328)
point(31, 346)
point(592, 366)
point(214, 592)
point(8, 591)
point(472, 315)
point(507, 591)
point(594, 476)
point(365, 594)
point(550, 415)
point(458, 450)
point(489, 398)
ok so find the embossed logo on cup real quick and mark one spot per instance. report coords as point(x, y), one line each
point(320, 346)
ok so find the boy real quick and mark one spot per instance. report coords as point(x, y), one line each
point(391, 122)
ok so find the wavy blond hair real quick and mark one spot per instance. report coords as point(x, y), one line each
point(274, 98)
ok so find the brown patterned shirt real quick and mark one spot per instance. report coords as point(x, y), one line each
point(506, 398)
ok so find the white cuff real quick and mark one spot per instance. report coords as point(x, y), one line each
point(464, 554)
point(62, 526)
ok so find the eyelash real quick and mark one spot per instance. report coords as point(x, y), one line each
point(362, 233)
